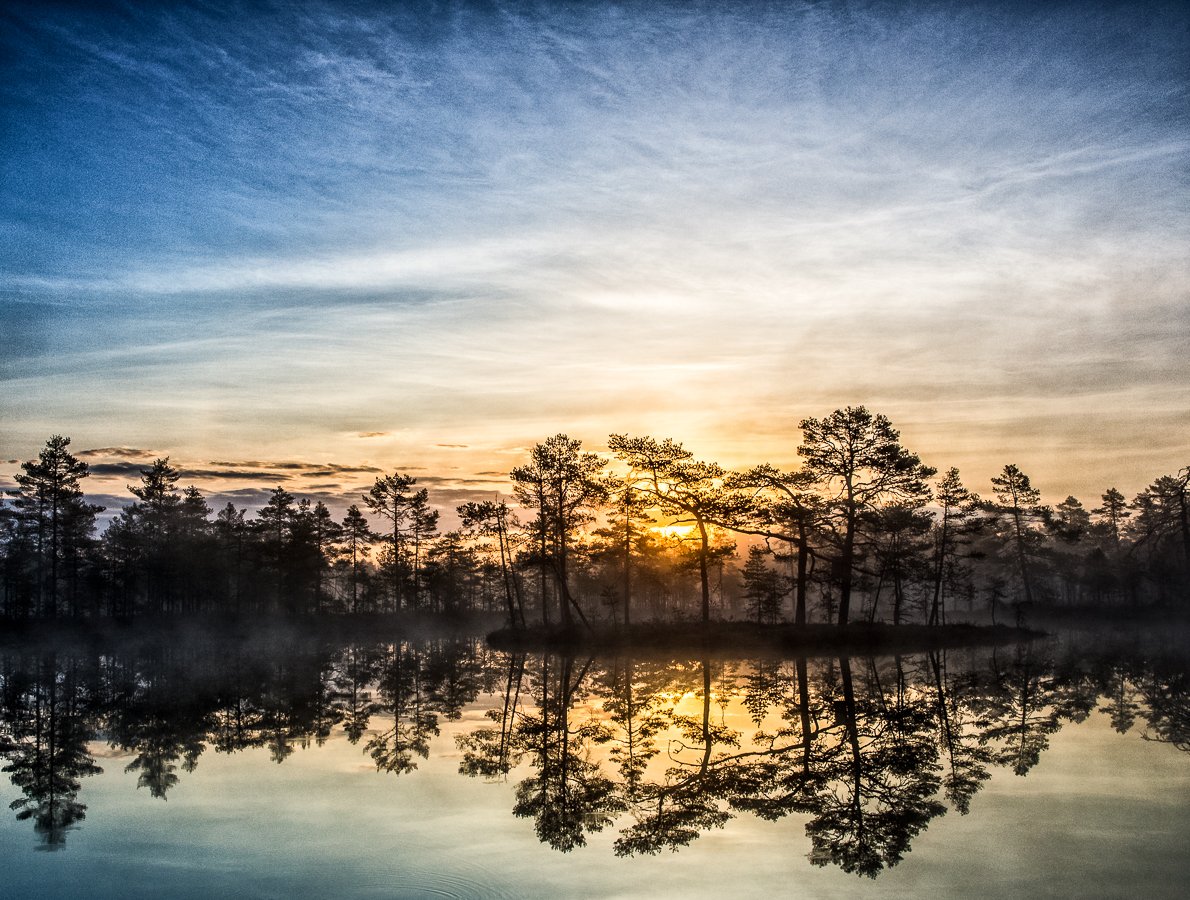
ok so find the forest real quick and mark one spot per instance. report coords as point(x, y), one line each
point(862, 532)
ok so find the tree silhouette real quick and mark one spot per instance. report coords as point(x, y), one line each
point(563, 485)
point(1019, 501)
point(492, 518)
point(231, 531)
point(390, 498)
point(50, 508)
point(783, 506)
point(275, 523)
point(1113, 515)
point(684, 488)
point(423, 525)
point(958, 509)
point(628, 521)
point(857, 458)
point(153, 532)
point(49, 754)
point(356, 536)
point(322, 534)
point(762, 587)
point(899, 531)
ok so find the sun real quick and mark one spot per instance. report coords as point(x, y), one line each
point(676, 532)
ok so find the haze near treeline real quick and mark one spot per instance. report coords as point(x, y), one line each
point(322, 240)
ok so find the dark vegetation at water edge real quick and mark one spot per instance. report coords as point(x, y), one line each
point(863, 533)
point(105, 634)
point(784, 640)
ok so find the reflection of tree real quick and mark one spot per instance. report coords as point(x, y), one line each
point(868, 752)
point(48, 755)
point(864, 767)
point(155, 762)
point(236, 724)
point(453, 676)
point(688, 801)
point(156, 710)
point(1121, 703)
point(885, 776)
point(491, 752)
point(296, 706)
point(166, 704)
point(865, 758)
point(354, 670)
point(402, 695)
point(765, 686)
point(789, 773)
point(965, 759)
point(159, 735)
point(1166, 692)
point(568, 796)
point(1023, 704)
point(630, 699)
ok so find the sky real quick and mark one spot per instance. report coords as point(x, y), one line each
point(303, 244)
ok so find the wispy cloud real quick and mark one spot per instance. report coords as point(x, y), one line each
point(303, 468)
point(125, 452)
point(235, 475)
point(464, 230)
point(122, 470)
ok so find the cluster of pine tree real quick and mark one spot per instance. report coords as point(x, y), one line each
point(862, 529)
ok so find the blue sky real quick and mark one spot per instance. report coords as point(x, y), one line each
point(421, 239)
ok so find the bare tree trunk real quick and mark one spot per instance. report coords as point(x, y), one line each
point(702, 569)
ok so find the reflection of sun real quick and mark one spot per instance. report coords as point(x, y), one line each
point(674, 531)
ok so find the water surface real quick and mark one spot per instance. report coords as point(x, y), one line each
point(297, 768)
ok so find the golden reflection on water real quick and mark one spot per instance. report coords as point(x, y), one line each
point(1096, 812)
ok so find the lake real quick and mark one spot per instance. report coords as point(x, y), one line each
point(286, 765)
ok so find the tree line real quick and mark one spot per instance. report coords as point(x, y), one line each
point(862, 531)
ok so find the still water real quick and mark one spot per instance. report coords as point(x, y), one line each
point(293, 767)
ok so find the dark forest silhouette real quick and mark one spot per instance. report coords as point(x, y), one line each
point(863, 532)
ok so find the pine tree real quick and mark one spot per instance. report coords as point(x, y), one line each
point(50, 509)
point(959, 508)
point(858, 460)
point(356, 538)
point(1113, 515)
point(275, 521)
point(762, 587)
point(390, 499)
point(1019, 501)
point(564, 485)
